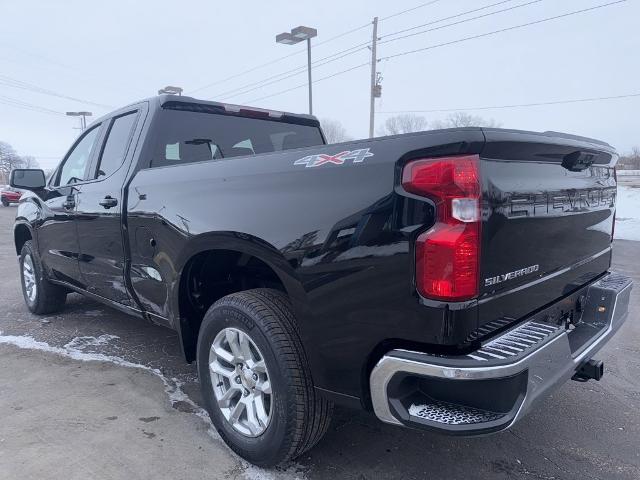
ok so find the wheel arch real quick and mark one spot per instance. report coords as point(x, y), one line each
point(22, 232)
point(220, 245)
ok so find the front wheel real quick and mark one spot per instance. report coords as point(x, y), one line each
point(255, 378)
point(40, 295)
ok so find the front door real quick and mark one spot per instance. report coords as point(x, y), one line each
point(99, 213)
point(57, 234)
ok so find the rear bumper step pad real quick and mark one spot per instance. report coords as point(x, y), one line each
point(491, 388)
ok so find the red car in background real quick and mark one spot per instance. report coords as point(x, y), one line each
point(10, 195)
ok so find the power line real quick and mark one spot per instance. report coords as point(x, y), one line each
point(39, 56)
point(453, 42)
point(459, 22)
point(77, 72)
point(265, 81)
point(315, 81)
point(351, 50)
point(426, 4)
point(359, 47)
point(12, 102)
point(276, 60)
point(27, 106)
point(340, 35)
point(244, 72)
point(502, 30)
point(461, 14)
point(296, 72)
point(12, 82)
point(521, 105)
point(335, 37)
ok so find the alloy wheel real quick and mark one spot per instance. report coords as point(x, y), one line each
point(241, 382)
point(29, 278)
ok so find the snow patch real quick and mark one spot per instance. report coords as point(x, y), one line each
point(74, 350)
point(252, 472)
point(80, 343)
point(628, 213)
point(414, 410)
point(172, 387)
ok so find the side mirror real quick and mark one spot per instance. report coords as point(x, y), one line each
point(27, 179)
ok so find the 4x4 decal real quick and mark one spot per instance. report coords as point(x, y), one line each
point(357, 156)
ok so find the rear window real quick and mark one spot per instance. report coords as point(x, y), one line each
point(116, 145)
point(187, 137)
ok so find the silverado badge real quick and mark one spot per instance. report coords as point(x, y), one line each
point(511, 275)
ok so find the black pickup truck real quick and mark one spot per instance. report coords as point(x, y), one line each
point(444, 280)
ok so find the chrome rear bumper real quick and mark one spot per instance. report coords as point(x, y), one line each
point(490, 389)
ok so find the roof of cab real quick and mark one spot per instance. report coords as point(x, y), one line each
point(161, 101)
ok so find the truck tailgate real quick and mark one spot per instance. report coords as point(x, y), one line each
point(548, 205)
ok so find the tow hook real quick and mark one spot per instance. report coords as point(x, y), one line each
point(591, 370)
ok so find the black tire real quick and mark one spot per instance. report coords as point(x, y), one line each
point(299, 416)
point(5, 203)
point(49, 298)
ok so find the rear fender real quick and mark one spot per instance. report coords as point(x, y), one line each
point(245, 244)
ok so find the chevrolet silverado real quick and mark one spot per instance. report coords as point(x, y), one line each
point(443, 280)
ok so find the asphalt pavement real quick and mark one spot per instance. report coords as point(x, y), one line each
point(93, 393)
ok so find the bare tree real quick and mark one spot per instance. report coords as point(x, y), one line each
point(30, 162)
point(334, 131)
point(403, 123)
point(464, 119)
point(9, 159)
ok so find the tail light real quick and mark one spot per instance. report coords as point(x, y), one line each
point(448, 254)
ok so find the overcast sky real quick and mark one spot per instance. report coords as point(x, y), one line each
point(116, 52)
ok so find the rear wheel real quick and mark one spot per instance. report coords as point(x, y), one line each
point(255, 379)
point(40, 295)
point(5, 203)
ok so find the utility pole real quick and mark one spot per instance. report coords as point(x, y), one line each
point(374, 63)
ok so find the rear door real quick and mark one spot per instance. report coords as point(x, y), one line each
point(99, 211)
point(548, 211)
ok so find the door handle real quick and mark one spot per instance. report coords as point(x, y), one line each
point(69, 203)
point(108, 202)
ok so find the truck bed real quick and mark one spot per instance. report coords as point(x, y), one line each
point(342, 230)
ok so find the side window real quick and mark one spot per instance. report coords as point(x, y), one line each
point(75, 166)
point(115, 148)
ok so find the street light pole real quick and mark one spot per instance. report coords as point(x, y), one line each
point(297, 35)
point(309, 75)
point(83, 118)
